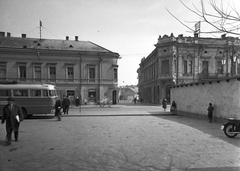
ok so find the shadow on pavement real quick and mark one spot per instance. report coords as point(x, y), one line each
point(162, 113)
point(215, 169)
point(40, 117)
point(209, 128)
point(129, 103)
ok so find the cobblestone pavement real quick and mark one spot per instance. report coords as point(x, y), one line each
point(140, 138)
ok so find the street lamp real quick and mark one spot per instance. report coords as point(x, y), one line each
point(234, 58)
point(223, 61)
point(236, 61)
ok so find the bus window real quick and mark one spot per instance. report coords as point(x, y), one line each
point(45, 93)
point(35, 93)
point(20, 92)
point(52, 93)
point(5, 92)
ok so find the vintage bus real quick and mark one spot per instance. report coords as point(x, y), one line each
point(33, 98)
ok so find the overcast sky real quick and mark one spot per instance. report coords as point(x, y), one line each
point(128, 27)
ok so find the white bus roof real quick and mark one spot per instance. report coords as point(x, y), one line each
point(27, 86)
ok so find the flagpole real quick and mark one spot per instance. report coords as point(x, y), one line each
point(40, 29)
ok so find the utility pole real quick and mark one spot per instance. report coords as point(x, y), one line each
point(80, 82)
point(40, 27)
point(232, 58)
point(177, 62)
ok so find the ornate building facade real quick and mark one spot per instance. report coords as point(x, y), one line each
point(180, 60)
point(77, 68)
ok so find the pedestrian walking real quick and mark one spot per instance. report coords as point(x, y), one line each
point(135, 100)
point(210, 112)
point(12, 114)
point(77, 101)
point(65, 104)
point(173, 107)
point(85, 101)
point(164, 103)
point(58, 106)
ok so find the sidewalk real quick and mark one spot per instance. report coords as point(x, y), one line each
point(122, 109)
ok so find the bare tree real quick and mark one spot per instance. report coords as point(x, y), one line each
point(224, 19)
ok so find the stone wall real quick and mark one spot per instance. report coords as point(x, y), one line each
point(193, 99)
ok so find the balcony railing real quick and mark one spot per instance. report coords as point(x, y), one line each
point(212, 76)
point(65, 81)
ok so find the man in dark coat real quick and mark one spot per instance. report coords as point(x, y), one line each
point(173, 107)
point(164, 103)
point(210, 112)
point(65, 104)
point(58, 106)
point(12, 114)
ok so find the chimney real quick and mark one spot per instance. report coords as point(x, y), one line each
point(2, 34)
point(223, 36)
point(67, 38)
point(24, 35)
point(76, 38)
point(196, 35)
point(8, 34)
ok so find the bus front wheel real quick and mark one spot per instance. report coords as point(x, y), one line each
point(24, 111)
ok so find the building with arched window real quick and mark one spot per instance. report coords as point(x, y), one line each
point(180, 60)
point(77, 68)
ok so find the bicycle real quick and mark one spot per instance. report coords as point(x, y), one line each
point(96, 103)
point(105, 102)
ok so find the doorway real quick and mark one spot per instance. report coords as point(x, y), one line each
point(71, 95)
point(92, 95)
point(168, 93)
point(114, 97)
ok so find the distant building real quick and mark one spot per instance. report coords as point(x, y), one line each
point(128, 92)
point(77, 68)
point(180, 60)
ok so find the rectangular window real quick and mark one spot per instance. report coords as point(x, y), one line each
point(5, 92)
point(71, 93)
point(52, 73)
point(115, 74)
point(51, 93)
point(20, 93)
point(45, 93)
point(22, 73)
point(175, 66)
point(234, 68)
point(238, 68)
point(219, 67)
point(190, 67)
point(70, 73)
point(205, 67)
point(3, 71)
point(37, 73)
point(35, 93)
point(92, 74)
point(185, 67)
point(165, 67)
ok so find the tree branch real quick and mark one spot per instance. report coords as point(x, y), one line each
point(223, 20)
point(179, 20)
